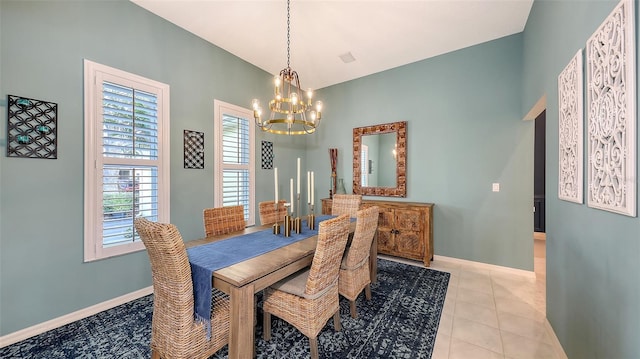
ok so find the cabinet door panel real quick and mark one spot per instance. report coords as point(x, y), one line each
point(407, 219)
point(386, 243)
point(410, 244)
point(386, 218)
point(409, 226)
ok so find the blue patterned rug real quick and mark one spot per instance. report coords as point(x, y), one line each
point(400, 321)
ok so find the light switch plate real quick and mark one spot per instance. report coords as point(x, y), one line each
point(496, 187)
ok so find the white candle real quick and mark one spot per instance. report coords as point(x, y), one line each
point(298, 191)
point(312, 187)
point(291, 187)
point(308, 187)
point(275, 181)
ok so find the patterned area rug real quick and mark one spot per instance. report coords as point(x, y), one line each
point(400, 321)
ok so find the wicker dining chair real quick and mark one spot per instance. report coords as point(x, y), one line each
point(174, 331)
point(354, 268)
point(346, 203)
point(309, 298)
point(268, 214)
point(223, 220)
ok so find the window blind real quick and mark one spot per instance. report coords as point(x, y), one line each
point(130, 131)
point(235, 149)
point(130, 123)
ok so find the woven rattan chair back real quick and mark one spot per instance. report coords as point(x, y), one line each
point(174, 331)
point(354, 269)
point(268, 213)
point(366, 227)
point(315, 301)
point(223, 220)
point(346, 204)
point(332, 240)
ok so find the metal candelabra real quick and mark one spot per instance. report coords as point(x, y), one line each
point(287, 221)
point(276, 226)
point(298, 221)
point(311, 218)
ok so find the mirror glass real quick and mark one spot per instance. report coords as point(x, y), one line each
point(379, 160)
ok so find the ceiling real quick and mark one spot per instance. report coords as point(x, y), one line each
point(379, 34)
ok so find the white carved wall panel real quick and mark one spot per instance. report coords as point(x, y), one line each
point(570, 131)
point(611, 114)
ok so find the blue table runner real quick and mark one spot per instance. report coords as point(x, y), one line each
point(207, 258)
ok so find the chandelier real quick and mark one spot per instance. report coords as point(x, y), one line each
point(291, 114)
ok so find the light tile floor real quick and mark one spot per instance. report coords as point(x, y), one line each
point(494, 313)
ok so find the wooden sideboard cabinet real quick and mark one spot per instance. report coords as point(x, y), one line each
point(326, 205)
point(405, 229)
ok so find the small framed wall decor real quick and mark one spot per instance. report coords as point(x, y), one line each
point(267, 155)
point(32, 130)
point(611, 113)
point(570, 137)
point(193, 149)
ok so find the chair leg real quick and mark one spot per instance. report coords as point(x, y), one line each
point(336, 321)
point(367, 292)
point(155, 354)
point(266, 323)
point(313, 347)
point(352, 309)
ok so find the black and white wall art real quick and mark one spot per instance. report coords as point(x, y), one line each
point(611, 113)
point(570, 131)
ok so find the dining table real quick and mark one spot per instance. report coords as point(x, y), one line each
point(242, 280)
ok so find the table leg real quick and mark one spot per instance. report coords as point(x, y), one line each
point(241, 331)
point(373, 259)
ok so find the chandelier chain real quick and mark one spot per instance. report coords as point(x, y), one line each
point(288, 38)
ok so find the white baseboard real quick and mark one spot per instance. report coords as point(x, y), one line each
point(557, 347)
point(72, 317)
point(486, 266)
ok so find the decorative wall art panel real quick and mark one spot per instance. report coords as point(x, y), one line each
point(193, 149)
point(267, 155)
point(32, 128)
point(570, 132)
point(611, 113)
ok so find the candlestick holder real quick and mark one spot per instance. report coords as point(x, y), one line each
point(311, 218)
point(287, 221)
point(287, 226)
point(297, 223)
point(276, 226)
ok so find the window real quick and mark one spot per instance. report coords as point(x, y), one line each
point(234, 168)
point(126, 158)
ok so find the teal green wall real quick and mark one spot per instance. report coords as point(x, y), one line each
point(464, 113)
point(464, 132)
point(593, 290)
point(43, 44)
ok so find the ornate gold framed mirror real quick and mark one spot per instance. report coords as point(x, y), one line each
point(380, 160)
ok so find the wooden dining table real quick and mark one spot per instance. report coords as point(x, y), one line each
point(243, 279)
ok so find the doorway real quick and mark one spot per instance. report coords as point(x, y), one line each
point(539, 235)
point(539, 173)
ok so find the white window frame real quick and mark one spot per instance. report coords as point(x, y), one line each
point(94, 76)
point(221, 108)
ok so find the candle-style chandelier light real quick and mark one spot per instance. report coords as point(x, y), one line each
point(291, 114)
